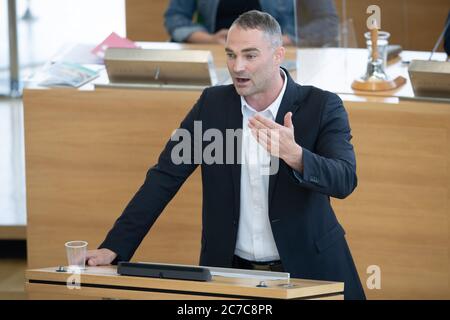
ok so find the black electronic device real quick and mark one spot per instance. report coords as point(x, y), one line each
point(165, 271)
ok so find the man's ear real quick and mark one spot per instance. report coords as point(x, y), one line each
point(279, 55)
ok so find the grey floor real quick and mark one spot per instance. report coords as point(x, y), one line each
point(13, 264)
point(12, 279)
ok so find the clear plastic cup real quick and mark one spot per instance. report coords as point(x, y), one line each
point(76, 255)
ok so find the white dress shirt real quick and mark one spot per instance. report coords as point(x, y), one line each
point(255, 240)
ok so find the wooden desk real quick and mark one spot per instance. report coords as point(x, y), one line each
point(104, 282)
point(87, 152)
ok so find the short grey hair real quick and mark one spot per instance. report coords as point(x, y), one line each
point(255, 19)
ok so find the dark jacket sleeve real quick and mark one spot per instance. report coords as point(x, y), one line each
point(161, 184)
point(331, 168)
point(178, 19)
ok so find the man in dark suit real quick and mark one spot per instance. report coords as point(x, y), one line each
point(278, 219)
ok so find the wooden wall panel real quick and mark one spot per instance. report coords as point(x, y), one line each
point(425, 22)
point(145, 20)
point(398, 217)
point(87, 153)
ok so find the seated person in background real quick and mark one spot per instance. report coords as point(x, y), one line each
point(318, 23)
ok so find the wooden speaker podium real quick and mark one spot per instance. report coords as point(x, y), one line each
point(105, 283)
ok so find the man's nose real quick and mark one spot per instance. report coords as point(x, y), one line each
point(239, 65)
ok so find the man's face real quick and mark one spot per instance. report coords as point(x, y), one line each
point(252, 61)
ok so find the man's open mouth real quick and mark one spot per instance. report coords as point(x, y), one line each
point(242, 80)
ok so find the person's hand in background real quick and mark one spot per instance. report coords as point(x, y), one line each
point(219, 37)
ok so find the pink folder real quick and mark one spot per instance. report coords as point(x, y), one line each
point(112, 41)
